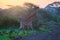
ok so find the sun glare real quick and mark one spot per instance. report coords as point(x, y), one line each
point(41, 3)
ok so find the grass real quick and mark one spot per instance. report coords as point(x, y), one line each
point(44, 29)
point(22, 33)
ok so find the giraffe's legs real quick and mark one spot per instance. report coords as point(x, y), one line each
point(21, 27)
point(29, 25)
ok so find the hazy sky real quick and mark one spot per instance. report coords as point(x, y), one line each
point(41, 3)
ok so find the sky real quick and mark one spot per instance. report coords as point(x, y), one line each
point(11, 3)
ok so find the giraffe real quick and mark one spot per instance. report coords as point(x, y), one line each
point(26, 21)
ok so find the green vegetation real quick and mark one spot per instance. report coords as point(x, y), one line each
point(10, 22)
point(42, 27)
point(7, 35)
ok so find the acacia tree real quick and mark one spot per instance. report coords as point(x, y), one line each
point(30, 7)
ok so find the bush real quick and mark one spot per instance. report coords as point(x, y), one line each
point(6, 21)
